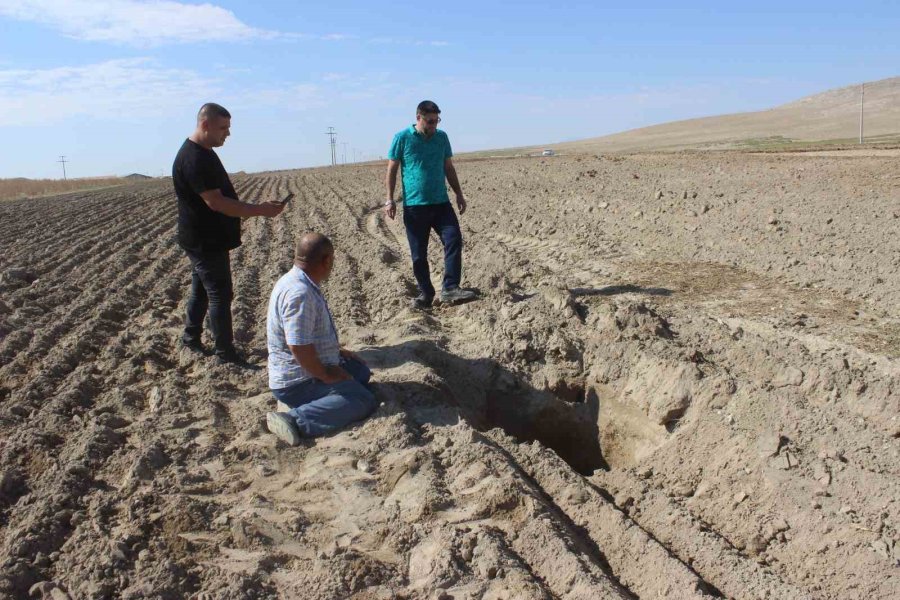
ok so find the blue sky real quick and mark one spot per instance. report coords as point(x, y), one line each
point(114, 85)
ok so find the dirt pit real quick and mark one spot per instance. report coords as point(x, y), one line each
point(680, 381)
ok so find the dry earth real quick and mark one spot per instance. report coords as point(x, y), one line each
point(680, 381)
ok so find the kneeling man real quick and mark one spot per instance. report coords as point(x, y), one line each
point(325, 385)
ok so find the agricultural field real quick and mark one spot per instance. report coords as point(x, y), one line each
point(680, 380)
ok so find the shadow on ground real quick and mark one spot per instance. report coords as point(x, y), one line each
point(613, 290)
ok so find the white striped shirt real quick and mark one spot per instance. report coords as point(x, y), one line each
point(298, 315)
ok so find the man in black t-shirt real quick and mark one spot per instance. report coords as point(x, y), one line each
point(209, 226)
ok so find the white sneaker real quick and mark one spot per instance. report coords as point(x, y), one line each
point(284, 428)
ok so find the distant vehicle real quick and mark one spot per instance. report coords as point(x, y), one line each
point(548, 152)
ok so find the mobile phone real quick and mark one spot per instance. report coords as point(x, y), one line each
point(287, 198)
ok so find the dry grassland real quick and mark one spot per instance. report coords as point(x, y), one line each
point(20, 187)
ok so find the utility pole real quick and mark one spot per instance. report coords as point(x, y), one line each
point(331, 133)
point(862, 98)
point(62, 159)
point(345, 152)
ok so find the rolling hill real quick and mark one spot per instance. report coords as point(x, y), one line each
point(828, 117)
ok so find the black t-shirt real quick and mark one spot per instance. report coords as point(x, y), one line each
point(200, 228)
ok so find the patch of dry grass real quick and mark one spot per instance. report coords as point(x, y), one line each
point(11, 189)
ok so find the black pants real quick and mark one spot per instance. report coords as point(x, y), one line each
point(419, 221)
point(211, 289)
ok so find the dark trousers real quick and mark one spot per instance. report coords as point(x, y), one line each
point(211, 290)
point(419, 221)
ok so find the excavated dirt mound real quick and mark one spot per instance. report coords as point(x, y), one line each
point(680, 381)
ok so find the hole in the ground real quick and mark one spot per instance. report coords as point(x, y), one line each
point(566, 423)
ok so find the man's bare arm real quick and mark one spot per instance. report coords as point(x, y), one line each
point(218, 202)
point(307, 357)
point(453, 180)
point(390, 183)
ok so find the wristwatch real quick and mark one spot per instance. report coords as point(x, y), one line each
point(389, 203)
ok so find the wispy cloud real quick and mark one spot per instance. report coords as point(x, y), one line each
point(133, 22)
point(295, 97)
point(337, 37)
point(120, 89)
point(145, 23)
point(407, 42)
point(115, 89)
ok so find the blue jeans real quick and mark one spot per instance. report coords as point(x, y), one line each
point(211, 288)
point(320, 408)
point(419, 221)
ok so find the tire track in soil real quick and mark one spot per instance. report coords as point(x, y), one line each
point(353, 253)
point(543, 538)
point(394, 274)
point(632, 551)
point(376, 228)
point(711, 553)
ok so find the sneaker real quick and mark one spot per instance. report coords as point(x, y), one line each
point(422, 302)
point(284, 428)
point(456, 295)
point(233, 357)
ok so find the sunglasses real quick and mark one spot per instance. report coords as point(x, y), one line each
point(433, 121)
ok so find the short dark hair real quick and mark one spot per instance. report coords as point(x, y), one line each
point(211, 109)
point(312, 248)
point(427, 107)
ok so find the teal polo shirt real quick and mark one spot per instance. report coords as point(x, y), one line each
point(422, 163)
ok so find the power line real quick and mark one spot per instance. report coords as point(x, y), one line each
point(331, 133)
point(862, 98)
point(62, 159)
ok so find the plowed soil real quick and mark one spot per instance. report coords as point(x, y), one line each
point(680, 381)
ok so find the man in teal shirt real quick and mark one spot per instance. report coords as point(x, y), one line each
point(424, 153)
